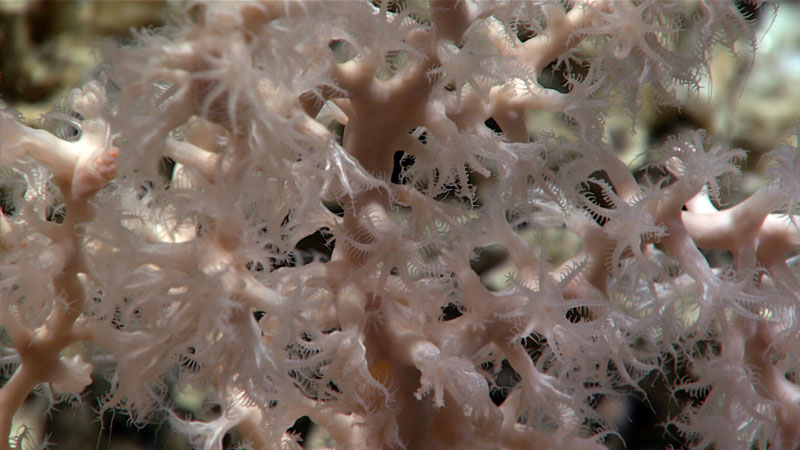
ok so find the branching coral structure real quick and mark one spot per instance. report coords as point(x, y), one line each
point(160, 221)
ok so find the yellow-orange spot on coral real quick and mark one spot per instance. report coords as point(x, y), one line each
point(381, 371)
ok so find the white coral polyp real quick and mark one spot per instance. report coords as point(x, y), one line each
point(73, 376)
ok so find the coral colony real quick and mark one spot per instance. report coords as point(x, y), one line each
point(281, 204)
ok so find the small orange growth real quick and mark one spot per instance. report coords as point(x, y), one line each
point(381, 371)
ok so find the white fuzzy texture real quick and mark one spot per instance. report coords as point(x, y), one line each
point(179, 232)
